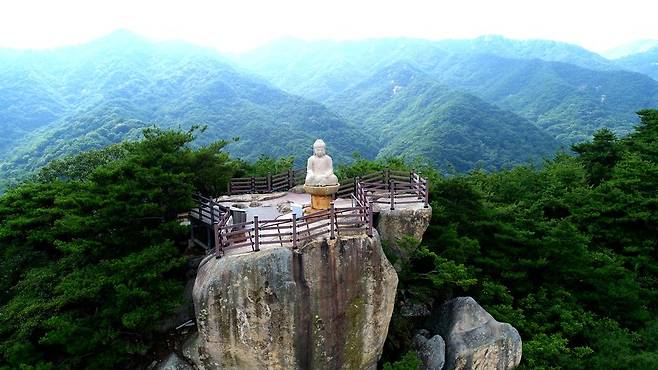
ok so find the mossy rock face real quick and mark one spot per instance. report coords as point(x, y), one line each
point(325, 306)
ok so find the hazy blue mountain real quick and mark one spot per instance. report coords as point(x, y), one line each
point(645, 62)
point(320, 69)
point(81, 97)
point(570, 101)
point(414, 116)
point(635, 47)
point(548, 50)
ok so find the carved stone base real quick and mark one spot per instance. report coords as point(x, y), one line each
point(318, 203)
point(321, 197)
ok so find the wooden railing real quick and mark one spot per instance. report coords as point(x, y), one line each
point(383, 187)
point(293, 231)
point(395, 188)
point(266, 184)
point(209, 213)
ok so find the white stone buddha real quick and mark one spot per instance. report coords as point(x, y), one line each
point(320, 167)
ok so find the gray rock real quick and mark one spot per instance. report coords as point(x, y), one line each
point(325, 306)
point(299, 189)
point(284, 208)
point(409, 220)
point(414, 310)
point(474, 339)
point(430, 351)
point(173, 362)
point(192, 351)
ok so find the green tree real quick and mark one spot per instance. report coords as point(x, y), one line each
point(93, 261)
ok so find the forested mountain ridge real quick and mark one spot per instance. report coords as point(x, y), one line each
point(548, 50)
point(540, 84)
point(644, 62)
point(627, 49)
point(412, 115)
point(100, 93)
point(570, 102)
point(63, 101)
point(293, 64)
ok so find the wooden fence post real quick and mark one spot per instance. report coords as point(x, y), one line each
point(256, 236)
point(212, 212)
point(291, 178)
point(391, 188)
point(370, 217)
point(332, 219)
point(228, 186)
point(218, 241)
point(294, 231)
point(427, 193)
point(269, 182)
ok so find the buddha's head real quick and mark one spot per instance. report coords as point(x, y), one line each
point(319, 148)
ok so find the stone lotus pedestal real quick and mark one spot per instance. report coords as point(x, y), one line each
point(321, 197)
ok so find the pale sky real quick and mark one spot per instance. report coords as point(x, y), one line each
point(233, 26)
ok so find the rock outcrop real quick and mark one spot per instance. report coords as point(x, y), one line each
point(430, 351)
point(173, 362)
point(408, 220)
point(474, 339)
point(326, 305)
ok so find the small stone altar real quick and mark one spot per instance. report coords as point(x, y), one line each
point(320, 183)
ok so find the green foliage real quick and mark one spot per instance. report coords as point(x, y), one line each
point(92, 251)
point(423, 277)
point(409, 361)
point(541, 266)
point(360, 166)
point(266, 165)
point(566, 253)
point(79, 167)
point(599, 156)
point(413, 116)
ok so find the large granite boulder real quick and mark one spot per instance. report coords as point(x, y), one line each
point(325, 306)
point(431, 351)
point(474, 339)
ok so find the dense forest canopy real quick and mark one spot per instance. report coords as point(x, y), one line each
point(92, 251)
point(566, 253)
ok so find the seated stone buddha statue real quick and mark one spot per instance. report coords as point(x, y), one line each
point(320, 167)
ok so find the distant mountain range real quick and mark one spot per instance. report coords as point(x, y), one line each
point(485, 102)
point(412, 115)
point(565, 89)
point(635, 47)
point(645, 62)
point(55, 103)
